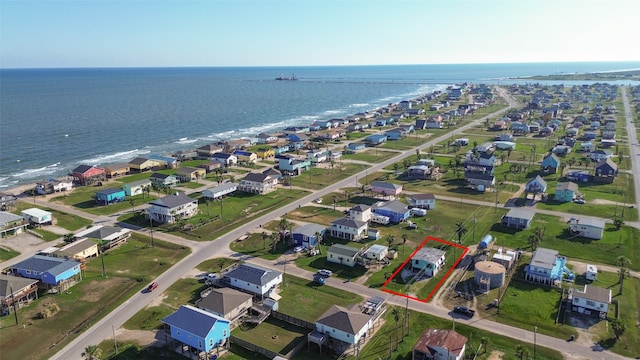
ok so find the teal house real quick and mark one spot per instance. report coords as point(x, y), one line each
point(566, 191)
point(108, 196)
point(201, 331)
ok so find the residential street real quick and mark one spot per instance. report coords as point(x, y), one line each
point(202, 251)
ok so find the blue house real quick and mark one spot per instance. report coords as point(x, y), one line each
point(292, 166)
point(108, 196)
point(375, 139)
point(536, 185)
point(518, 218)
point(550, 164)
point(306, 235)
point(565, 191)
point(356, 146)
point(381, 122)
point(197, 328)
point(396, 134)
point(52, 271)
point(579, 176)
point(395, 210)
point(297, 137)
point(280, 148)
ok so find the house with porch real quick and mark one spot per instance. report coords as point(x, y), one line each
point(53, 186)
point(395, 210)
point(80, 250)
point(245, 156)
point(257, 183)
point(142, 164)
point(167, 209)
point(293, 166)
point(16, 290)
point(7, 200)
point(428, 261)
point(107, 236)
point(266, 138)
point(117, 169)
point(227, 160)
point(348, 229)
point(136, 187)
point(11, 224)
point(187, 173)
point(550, 164)
point(345, 327)
point(160, 180)
point(566, 191)
point(587, 227)
point(226, 303)
point(38, 217)
point(164, 162)
point(53, 272)
point(207, 151)
point(385, 189)
point(535, 186)
point(479, 180)
point(518, 218)
point(439, 344)
point(219, 191)
point(254, 279)
point(547, 267)
point(590, 300)
point(596, 155)
point(361, 212)
point(343, 254)
point(265, 153)
point(423, 201)
point(308, 235)
point(87, 174)
point(605, 171)
point(109, 196)
point(200, 332)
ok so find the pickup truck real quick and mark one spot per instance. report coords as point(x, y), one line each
point(464, 311)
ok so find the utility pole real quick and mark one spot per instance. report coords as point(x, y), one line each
point(535, 333)
point(104, 272)
point(151, 230)
point(115, 343)
point(13, 302)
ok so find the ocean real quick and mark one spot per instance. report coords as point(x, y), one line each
point(52, 120)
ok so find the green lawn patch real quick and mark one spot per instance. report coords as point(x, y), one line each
point(371, 155)
point(275, 335)
point(319, 178)
point(46, 235)
point(6, 253)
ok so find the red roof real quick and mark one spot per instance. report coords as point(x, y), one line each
point(438, 338)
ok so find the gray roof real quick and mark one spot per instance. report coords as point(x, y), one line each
point(567, 186)
point(342, 319)
point(221, 187)
point(395, 206)
point(253, 274)
point(360, 208)
point(423, 196)
point(348, 223)
point(539, 180)
point(172, 201)
point(429, 254)
point(521, 214)
point(343, 250)
point(595, 293)
point(139, 182)
point(309, 229)
point(256, 177)
point(77, 246)
point(53, 265)
point(102, 232)
point(544, 258)
point(386, 185)
point(589, 221)
point(7, 217)
point(223, 301)
point(8, 282)
point(193, 320)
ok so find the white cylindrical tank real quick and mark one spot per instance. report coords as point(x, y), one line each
point(491, 271)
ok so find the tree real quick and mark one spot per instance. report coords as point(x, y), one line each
point(132, 202)
point(390, 240)
point(623, 272)
point(485, 341)
point(536, 238)
point(397, 316)
point(404, 241)
point(319, 239)
point(522, 352)
point(460, 231)
point(618, 222)
point(92, 352)
point(395, 167)
point(68, 238)
point(265, 236)
point(274, 239)
point(618, 327)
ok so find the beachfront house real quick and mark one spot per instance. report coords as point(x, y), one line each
point(590, 300)
point(207, 151)
point(171, 207)
point(136, 187)
point(423, 201)
point(586, 227)
point(254, 279)
point(117, 169)
point(267, 138)
point(11, 224)
point(53, 186)
point(348, 229)
point(142, 164)
point(439, 344)
point(53, 272)
point(518, 218)
point(428, 261)
point(219, 191)
point(343, 254)
point(308, 235)
point(109, 196)
point(199, 332)
point(257, 183)
point(87, 174)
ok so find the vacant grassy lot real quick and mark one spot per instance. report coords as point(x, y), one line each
point(88, 301)
point(65, 220)
point(371, 155)
point(320, 177)
point(274, 335)
point(6, 253)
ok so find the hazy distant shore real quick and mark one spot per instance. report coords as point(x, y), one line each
point(632, 75)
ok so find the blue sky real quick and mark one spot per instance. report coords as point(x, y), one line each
point(68, 33)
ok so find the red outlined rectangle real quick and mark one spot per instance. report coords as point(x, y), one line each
point(429, 238)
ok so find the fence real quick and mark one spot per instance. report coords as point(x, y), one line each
point(255, 348)
point(293, 320)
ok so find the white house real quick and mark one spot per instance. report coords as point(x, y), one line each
point(428, 259)
point(317, 156)
point(257, 183)
point(592, 300)
point(136, 187)
point(590, 228)
point(348, 229)
point(37, 216)
point(361, 213)
point(225, 159)
point(424, 201)
point(254, 279)
point(220, 190)
point(342, 254)
point(344, 325)
point(166, 209)
point(377, 252)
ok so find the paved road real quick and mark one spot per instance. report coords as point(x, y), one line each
point(634, 149)
point(220, 247)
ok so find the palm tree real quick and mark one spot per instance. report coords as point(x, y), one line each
point(536, 238)
point(622, 272)
point(522, 352)
point(404, 241)
point(265, 236)
point(319, 239)
point(92, 352)
point(397, 315)
point(390, 240)
point(460, 231)
point(618, 328)
point(275, 238)
point(618, 222)
point(132, 202)
point(68, 238)
point(485, 341)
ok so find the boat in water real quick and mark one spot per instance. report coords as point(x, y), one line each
point(285, 78)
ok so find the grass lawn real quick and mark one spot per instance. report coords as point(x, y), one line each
point(216, 218)
point(307, 300)
point(379, 345)
point(275, 335)
point(370, 155)
point(65, 220)
point(82, 198)
point(46, 235)
point(319, 178)
point(6, 253)
point(404, 143)
point(87, 301)
point(623, 242)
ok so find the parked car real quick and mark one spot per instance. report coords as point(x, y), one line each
point(151, 287)
point(579, 201)
point(298, 249)
point(211, 276)
point(464, 311)
point(325, 272)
